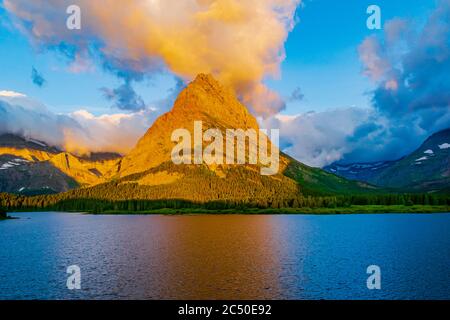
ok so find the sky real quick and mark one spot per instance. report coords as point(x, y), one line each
point(337, 90)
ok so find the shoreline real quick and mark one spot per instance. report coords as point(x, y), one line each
point(365, 209)
point(4, 216)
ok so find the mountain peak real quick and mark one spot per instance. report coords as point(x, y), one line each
point(208, 100)
point(206, 79)
point(204, 99)
point(208, 83)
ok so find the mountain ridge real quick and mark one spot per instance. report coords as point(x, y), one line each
point(29, 166)
point(425, 169)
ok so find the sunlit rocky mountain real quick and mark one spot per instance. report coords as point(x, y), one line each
point(29, 166)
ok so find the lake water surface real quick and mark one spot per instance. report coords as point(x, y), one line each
point(225, 256)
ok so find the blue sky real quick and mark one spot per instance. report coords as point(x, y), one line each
point(345, 115)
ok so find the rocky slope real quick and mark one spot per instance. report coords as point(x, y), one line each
point(29, 166)
point(204, 100)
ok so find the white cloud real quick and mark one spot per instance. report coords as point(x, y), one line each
point(79, 132)
point(318, 138)
point(11, 94)
point(109, 132)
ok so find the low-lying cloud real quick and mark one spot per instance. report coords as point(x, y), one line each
point(318, 138)
point(79, 132)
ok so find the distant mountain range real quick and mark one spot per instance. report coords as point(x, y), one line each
point(30, 167)
point(427, 169)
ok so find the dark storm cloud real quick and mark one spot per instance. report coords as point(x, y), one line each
point(411, 68)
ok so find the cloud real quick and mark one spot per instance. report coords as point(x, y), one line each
point(79, 132)
point(410, 66)
point(81, 64)
point(11, 94)
point(370, 53)
point(110, 132)
point(240, 42)
point(318, 138)
point(124, 97)
point(37, 78)
point(297, 95)
point(381, 141)
point(415, 78)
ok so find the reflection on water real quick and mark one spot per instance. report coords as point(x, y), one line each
point(225, 257)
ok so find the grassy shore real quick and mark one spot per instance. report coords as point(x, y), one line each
point(346, 210)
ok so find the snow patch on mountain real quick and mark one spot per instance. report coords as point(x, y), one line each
point(12, 163)
point(37, 142)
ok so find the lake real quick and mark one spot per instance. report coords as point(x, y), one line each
point(225, 256)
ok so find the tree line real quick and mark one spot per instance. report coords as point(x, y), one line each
point(54, 203)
